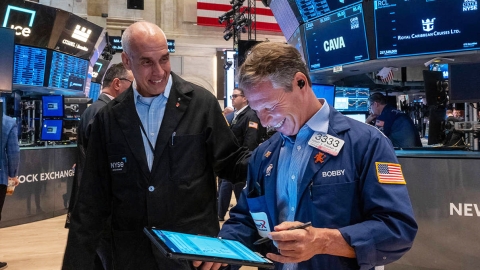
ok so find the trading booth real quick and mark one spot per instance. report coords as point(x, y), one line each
point(50, 72)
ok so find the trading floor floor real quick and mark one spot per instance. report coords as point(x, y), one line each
point(37, 246)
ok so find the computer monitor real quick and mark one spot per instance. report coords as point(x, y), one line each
point(52, 130)
point(351, 99)
point(52, 106)
point(74, 107)
point(326, 91)
point(358, 116)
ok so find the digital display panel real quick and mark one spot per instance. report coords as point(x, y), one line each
point(325, 91)
point(7, 49)
point(29, 65)
point(358, 116)
point(171, 45)
point(351, 99)
point(77, 35)
point(296, 40)
point(51, 130)
point(33, 23)
point(52, 106)
point(116, 42)
point(336, 39)
point(99, 70)
point(440, 67)
point(285, 16)
point(68, 72)
point(406, 28)
point(312, 9)
point(95, 89)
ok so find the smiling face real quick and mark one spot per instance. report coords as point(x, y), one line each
point(284, 111)
point(148, 59)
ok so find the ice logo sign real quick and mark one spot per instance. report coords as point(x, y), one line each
point(20, 29)
point(428, 24)
point(81, 33)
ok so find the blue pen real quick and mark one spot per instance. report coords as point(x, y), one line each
point(266, 239)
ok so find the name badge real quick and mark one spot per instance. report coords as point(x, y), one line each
point(326, 143)
point(261, 222)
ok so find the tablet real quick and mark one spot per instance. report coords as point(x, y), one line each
point(204, 248)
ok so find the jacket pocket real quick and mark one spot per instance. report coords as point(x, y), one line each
point(188, 156)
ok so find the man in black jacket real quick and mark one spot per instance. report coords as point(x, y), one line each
point(249, 133)
point(117, 79)
point(151, 161)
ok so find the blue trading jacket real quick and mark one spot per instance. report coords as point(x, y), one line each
point(341, 192)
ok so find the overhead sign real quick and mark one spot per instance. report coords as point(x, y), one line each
point(171, 45)
point(116, 42)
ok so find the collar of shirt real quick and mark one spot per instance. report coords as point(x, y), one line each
point(109, 96)
point(148, 101)
point(318, 123)
point(236, 113)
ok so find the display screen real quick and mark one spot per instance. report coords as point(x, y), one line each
point(51, 130)
point(7, 50)
point(464, 83)
point(32, 22)
point(406, 28)
point(359, 117)
point(99, 70)
point(325, 91)
point(68, 72)
point(29, 65)
point(207, 246)
point(78, 36)
point(286, 16)
point(440, 67)
point(74, 107)
point(312, 9)
point(336, 39)
point(296, 40)
point(351, 99)
point(52, 106)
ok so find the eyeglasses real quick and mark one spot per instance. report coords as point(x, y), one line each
point(125, 79)
point(235, 96)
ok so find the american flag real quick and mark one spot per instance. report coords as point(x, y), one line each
point(385, 74)
point(389, 173)
point(208, 12)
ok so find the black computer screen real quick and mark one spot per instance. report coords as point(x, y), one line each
point(52, 106)
point(406, 28)
point(336, 39)
point(351, 99)
point(29, 65)
point(68, 72)
point(464, 82)
point(51, 130)
point(6, 64)
point(326, 91)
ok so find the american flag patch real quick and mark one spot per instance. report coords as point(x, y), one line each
point(252, 125)
point(389, 173)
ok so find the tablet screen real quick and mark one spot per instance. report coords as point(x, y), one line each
point(207, 246)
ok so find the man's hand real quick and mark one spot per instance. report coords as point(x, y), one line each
point(17, 181)
point(208, 265)
point(302, 244)
point(371, 118)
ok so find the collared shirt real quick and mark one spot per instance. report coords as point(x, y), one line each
point(151, 111)
point(294, 156)
point(109, 96)
point(236, 113)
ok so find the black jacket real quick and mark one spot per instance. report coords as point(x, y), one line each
point(247, 129)
point(177, 195)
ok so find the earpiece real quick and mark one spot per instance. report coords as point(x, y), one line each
point(301, 83)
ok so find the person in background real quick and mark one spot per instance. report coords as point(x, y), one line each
point(396, 125)
point(453, 137)
point(10, 161)
point(249, 133)
point(321, 167)
point(151, 161)
point(116, 80)
point(457, 114)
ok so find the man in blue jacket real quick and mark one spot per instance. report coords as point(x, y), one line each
point(338, 173)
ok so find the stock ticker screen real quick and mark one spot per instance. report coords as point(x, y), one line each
point(337, 39)
point(407, 27)
point(311, 9)
point(68, 72)
point(351, 99)
point(29, 65)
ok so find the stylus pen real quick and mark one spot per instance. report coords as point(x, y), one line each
point(266, 239)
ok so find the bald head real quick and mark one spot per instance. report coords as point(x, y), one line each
point(139, 29)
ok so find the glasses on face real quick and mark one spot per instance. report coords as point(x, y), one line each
point(235, 96)
point(125, 79)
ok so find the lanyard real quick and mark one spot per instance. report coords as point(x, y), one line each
point(146, 136)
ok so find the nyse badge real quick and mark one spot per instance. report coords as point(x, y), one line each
point(320, 157)
point(269, 170)
point(267, 154)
